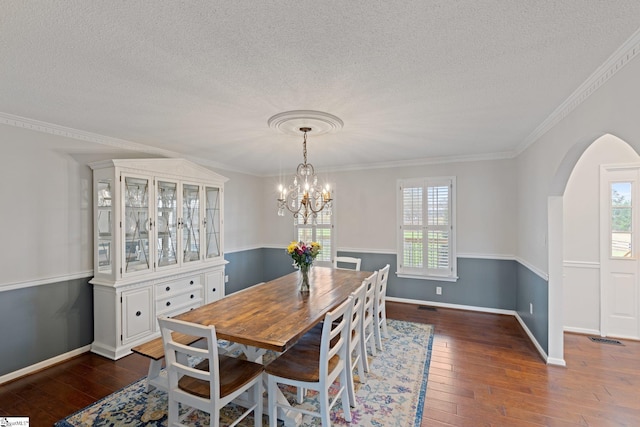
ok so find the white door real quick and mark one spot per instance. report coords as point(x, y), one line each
point(619, 219)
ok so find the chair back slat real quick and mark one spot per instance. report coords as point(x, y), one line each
point(335, 332)
point(177, 354)
point(370, 295)
point(381, 284)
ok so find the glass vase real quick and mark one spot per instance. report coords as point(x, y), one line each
point(303, 278)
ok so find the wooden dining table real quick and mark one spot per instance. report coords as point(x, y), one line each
point(275, 314)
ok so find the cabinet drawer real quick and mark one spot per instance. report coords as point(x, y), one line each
point(175, 311)
point(177, 286)
point(179, 300)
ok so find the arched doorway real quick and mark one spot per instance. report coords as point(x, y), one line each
point(574, 252)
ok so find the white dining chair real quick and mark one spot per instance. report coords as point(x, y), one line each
point(347, 263)
point(356, 342)
point(315, 362)
point(212, 383)
point(379, 306)
point(368, 320)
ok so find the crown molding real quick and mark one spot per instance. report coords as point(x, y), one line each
point(122, 144)
point(621, 57)
point(415, 162)
point(67, 132)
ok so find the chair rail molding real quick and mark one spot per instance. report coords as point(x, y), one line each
point(45, 281)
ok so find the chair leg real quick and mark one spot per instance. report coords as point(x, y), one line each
point(363, 350)
point(349, 384)
point(271, 399)
point(174, 412)
point(377, 333)
point(345, 396)
point(257, 400)
point(385, 331)
point(323, 400)
point(371, 332)
point(360, 364)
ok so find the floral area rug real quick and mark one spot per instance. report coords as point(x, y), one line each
point(393, 394)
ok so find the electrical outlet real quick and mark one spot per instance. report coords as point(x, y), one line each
point(530, 308)
point(438, 290)
point(226, 278)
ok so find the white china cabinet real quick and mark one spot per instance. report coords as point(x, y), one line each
point(158, 246)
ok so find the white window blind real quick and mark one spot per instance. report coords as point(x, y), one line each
point(321, 232)
point(426, 240)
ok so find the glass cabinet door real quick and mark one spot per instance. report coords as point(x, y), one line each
point(167, 223)
point(105, 226)
point(212, 222)
point(136, 225)
point(190, 222)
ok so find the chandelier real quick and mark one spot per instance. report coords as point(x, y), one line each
point(304, 197)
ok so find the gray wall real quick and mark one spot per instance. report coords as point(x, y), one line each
point(535, 290)
point(42, 322)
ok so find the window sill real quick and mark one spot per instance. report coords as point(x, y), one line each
point(421, 277)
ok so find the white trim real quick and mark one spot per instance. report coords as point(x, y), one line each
point(454, 306)
point(44, 364)
point(621, 57)
point(470, 255)
point(533, 339)
point(421, 162)
point(246, 248)
point(368, 251)
point(582, 331)
point(533, 268)
point(536, 344)
point(275, 246)
point(80, 135)
point(557, 362)
point(45, 281)
point(581, 264)
point(393, 252)
point(421, 277)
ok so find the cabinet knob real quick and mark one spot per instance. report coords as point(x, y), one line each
point(213, 290)
point(168, 288)
point(138, 313)
point(168, 303)
point(192, 296)
point(191, 282)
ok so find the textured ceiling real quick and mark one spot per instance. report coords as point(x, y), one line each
point(409, 79)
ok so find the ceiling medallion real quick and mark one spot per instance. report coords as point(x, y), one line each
point(290, 122)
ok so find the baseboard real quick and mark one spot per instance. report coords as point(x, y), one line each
point(583, 331)
point(534, 341)
point(454, 306)
point(44, 364)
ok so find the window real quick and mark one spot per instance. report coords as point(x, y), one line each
point(621, 215)
point(426, 236)
point(321, 232)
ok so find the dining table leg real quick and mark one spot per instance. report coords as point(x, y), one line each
point(290, 418)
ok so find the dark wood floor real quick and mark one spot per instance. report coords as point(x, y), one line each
point(484, 372)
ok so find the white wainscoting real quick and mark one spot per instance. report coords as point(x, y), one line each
point(581, 297)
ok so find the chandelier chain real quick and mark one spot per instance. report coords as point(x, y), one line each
point(304, 147)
